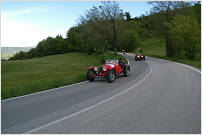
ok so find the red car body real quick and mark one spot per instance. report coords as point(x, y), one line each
point(111, 67)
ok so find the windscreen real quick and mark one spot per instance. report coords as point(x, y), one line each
point(111, 61)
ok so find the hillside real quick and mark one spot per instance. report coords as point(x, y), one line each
point(7, 52)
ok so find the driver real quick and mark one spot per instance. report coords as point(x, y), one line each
point(140, 50)
point(121, 63)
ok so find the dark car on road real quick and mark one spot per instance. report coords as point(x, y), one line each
point(139, 57)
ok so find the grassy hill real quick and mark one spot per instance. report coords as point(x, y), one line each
point(23, 77)
point(7, 52)
point(155, 47)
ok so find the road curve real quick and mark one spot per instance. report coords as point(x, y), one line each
point(159, 96)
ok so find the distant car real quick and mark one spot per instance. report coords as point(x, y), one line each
point(139, 57)
point(111, 69)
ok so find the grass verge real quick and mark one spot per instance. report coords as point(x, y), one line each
point(22, 77)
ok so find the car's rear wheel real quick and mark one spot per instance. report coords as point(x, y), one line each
point(91, 75)
point(126, 71)
point(110, 76)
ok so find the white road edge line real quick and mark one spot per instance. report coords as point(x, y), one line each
point(178, 64)
point(88, 108)
point(43, 91)
point(188, 67)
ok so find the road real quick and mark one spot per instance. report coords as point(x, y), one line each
point(159, 96)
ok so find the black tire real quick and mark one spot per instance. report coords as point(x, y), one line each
point(144, 58)
point(110, 76)
point(126, 70)
point(91, 75)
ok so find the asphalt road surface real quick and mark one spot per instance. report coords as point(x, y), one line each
point(159, 96)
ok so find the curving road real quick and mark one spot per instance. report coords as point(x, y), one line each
point(159, 96)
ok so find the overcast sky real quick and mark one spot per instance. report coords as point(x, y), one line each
point(27, 23)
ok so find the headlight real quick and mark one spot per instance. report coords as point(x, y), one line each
point(95, 68)
point(141, 56)
point(138, 56)
point(104, 69)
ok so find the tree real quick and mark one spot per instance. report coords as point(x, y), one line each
point(20, 55)
point(75, 39)
point(62, 44)
point(128, 17)
point(197, 9)
point(185, 35)
point(101, 25)
point(168, 9)
point(31, 53)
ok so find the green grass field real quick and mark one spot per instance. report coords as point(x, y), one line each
point(23, 77)
point(155, 47)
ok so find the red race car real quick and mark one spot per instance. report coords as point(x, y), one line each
point(139, 57)
point(109, 70)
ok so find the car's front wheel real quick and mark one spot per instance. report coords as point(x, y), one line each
point(110, 76)
point(91, 75)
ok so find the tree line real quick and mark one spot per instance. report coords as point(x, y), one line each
point(179, 23)
point(107, 27)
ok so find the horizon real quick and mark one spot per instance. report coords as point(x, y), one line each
point(25, 24)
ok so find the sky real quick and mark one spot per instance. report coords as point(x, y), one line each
point(25, 24)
